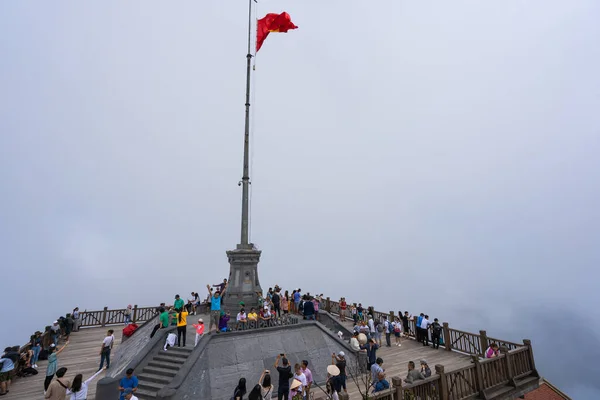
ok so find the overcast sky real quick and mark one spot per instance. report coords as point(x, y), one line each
point(429, 156)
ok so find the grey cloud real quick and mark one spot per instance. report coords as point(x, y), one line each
point(425, 158)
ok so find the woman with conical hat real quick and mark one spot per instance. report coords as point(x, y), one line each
point(296, 390)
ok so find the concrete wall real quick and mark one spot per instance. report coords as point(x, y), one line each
point(129, 348)
point(135, 357)
point(228, 357)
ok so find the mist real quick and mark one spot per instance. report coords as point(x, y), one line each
point(438, 158)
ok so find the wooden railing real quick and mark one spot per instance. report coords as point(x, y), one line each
point(453, 339)
point(477, 380)
point(513, 366)
point(106, 317)
point(425, 389)
point(465, 342)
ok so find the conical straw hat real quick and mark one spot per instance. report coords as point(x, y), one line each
point(333, 370)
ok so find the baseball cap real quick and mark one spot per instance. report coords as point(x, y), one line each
point(342, 354)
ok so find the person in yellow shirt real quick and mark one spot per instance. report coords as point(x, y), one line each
point(181, 318)
point(252, 315)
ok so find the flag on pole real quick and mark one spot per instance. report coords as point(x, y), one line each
point(272, 23)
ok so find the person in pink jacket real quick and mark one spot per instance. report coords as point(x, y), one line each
point(199, 330)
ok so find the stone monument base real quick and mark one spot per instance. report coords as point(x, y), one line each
point(243, 284)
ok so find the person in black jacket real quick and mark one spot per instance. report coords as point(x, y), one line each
point(276, 299)
point(405, 319)
point(309, 309)
point(285, 374)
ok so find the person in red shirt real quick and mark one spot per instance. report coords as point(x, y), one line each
point(343, 307)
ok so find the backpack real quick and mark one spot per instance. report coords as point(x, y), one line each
point(129, 329)
point(390, 327)
point(437, 328)
point(379, 327)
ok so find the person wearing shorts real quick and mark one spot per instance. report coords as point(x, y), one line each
point(5, 378)
point(215, 308)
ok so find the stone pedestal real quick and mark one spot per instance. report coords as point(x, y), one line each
point(243, 279)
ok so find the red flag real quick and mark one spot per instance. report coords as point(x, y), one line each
point(272, 23)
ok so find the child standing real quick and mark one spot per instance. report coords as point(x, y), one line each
point(199, 330)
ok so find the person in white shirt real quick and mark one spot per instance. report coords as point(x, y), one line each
point(191, 304)
point(107, 345)
point(354, 344)
point(170, 341)
point(371, 324)
point(79, 389)
point(129, 395)
point(299, 375)
point(241, 318)
point(425, 330)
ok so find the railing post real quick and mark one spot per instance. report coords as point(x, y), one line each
point(104, 316)
point(509, 368)
point(134, 313)
point(397, 385)
point(391, 317)
point(479, 375)
point(484, 342)
point(527, 343)
point(447, 343)
point(439, 369)
point(328, 305)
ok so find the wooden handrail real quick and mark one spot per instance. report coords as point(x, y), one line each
point(454, 339)
point(515, 362)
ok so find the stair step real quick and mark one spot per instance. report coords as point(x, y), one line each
point(149, 385)
point(151, 369)
point(171, 360)
point(187, 349)
point(145, 394)
point(155, 378)
point(164, 365)
point(173, 353)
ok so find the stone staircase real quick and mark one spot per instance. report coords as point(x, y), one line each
point(160, 371)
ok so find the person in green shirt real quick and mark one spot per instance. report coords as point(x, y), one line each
point(164, 318)
point(178, 306)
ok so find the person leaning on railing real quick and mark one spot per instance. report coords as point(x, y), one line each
point(413, 374)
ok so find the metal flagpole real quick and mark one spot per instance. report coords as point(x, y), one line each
point(246, 172)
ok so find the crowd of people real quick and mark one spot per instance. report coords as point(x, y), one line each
point(295, 382)
point(18, 361)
